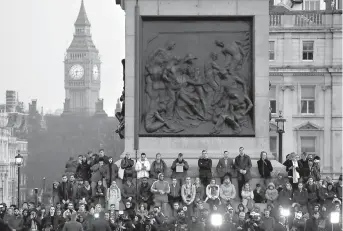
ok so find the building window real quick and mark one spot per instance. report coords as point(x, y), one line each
point(271, 50)
point(307, 100)
point(311, 5)
point(308, 49)
point(272, 99)
point(273, 145)
point(308, 144)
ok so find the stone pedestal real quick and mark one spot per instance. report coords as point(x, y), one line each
point(191, 146)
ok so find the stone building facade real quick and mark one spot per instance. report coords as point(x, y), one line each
point(305, 57)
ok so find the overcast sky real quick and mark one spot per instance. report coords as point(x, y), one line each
point(34, 37)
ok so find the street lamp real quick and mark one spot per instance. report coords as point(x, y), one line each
point(280, 124)
point(19, 162)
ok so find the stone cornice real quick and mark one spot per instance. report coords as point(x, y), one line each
point(287, 86)
point(308, 73)
point(325, 87)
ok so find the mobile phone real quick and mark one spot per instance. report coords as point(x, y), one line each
point(121, 212)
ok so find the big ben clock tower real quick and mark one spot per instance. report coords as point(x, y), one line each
point(82, 70)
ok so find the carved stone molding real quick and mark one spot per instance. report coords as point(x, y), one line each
point(290, 87)
point(325, 87)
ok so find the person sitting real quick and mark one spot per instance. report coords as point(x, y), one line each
point(200, 190)
point(312, 193)
point(268, 222)
point(227, 191)
point(145, 196)
point(129, 192)
point(271, 193)
point(259, 194)
point(175, 192)
point(247, 197)
point(280, 182)
point(113, 196)
point(286, 196)
point(188, 192)
point(212, 192)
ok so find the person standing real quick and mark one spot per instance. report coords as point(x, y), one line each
point(179, 169)
point(127, 164)
point(160, 189)
point(293, 167)
point(72, 225)
point(158, 166)
point(142, 167)
point(205, 168)
point(225, 167)
point(65, 191)
point(264, 168)
point(242, 166)
point(112, 172)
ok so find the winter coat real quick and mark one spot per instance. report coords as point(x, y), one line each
point(179, 175)
point(71, 166)
point(264, 168)
point(314, 172)
point(205, 167)
point(280, 183)
point(289, 164)
point(99, 172)
point(82, 192)
point(54, 221)
point(244, 164)
point(129, 191)
point(188, 193)
point(227, 191)
point(141, 173)
point(200, 192)
point(175, 191)
point(16, 222)
point(157, 168)
point(312, 193)
point(74, 187)
point(285, 197)
point(339, 191)
point(223, 169)
point(112, 173)
point(259, 197)
point(65, 191)
point(271, 192)
point(145, 193)
point(55, 196)
point(113, 196)
point(83, 171)
point(128, 166)
point(300, 197)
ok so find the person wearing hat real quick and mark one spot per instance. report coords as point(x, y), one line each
point(179, 169)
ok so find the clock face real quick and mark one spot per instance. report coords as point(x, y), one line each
point(76, 72)
point(95, 72)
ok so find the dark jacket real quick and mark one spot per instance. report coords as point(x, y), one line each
point(82, 192)
point(300, 197)
point(72, 226)
point(205, 167)
point(83, 171)
point(53, 222)
point(312, 224)
point(223, 169)
point(65, 191)
point(289, 164)
point(16, 222)
point(244, 164)
point(112, 173)
point(264, 168)
point(285, 197)
point(128, 166)
point(179, 174)
point(99, 172)
point(145, 193)
point(312, 193)
point(259, 197)
point(156, 168)
point(100, 225)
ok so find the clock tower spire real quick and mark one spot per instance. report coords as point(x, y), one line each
point(82, 70)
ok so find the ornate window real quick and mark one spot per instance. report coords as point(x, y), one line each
point(307, 100)
point(273, 145)
point(308, 144)
point(308, 50)
point(271, 50)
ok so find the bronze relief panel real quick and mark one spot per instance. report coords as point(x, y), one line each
point(196, 77)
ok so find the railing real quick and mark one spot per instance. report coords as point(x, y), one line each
point(306, 19)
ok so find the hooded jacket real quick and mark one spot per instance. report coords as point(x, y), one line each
point(271, 192)
point(157, 168)
point(141, 173)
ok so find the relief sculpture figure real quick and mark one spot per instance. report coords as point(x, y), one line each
point(179, 96)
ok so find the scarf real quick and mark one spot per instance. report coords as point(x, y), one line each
point(295, 172)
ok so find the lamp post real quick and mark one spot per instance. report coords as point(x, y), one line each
point(19, 162)
point(280, 124)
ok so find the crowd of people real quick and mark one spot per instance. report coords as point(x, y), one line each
point(97, 195)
